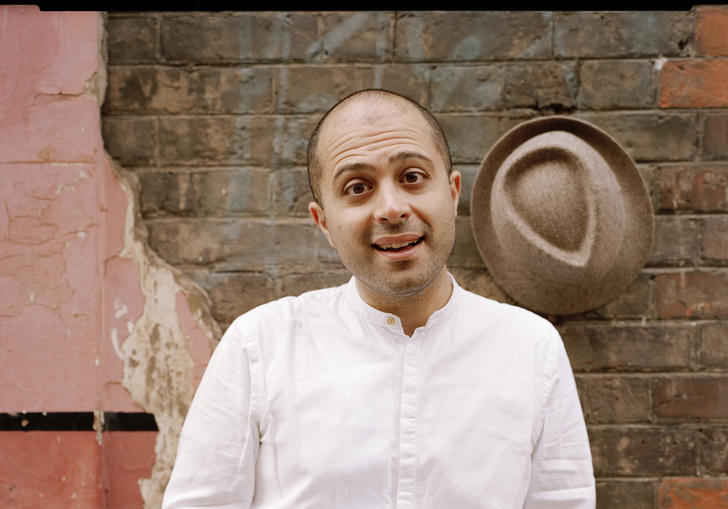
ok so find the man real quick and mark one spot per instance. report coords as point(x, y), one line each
point(398, 389)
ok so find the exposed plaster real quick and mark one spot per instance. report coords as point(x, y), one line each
point(158, 367)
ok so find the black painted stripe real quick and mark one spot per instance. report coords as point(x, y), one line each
point(76, 421)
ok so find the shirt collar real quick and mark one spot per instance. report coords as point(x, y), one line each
point(378, 317)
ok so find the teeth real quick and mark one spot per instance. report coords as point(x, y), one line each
point(398, 245)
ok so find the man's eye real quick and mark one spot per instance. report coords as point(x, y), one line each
point(356, 188)
point(413, 177)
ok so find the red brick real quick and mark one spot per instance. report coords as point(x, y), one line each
point(711, 31)
point(693, 188)
point(693, 493)
point(49, 469)
point(694, 84)
point(691, 397)
point(692, 294)
point(127, 458)
point(641, 451)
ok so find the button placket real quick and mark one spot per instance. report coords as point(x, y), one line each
point(407, 481)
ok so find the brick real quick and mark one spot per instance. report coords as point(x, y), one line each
point(692, 294)
point(711, 30)
point(409, 80)
point(633, 302)
point(471, 136)
point(224, 90)
point(640, 451)
point(49, 469)
point(460, 88)
point(130, 140)
point(624, 348)
point(149, 90)
point(622, 34)
point(650, 137)
point(291, 192)
point(132, 40)
point(239, 37)
point(479, 281)
point(676, 241)
point(714, 449)
point(472, 36)
point(715, 136)
point(693, 188)
point(356, 37)
point(608, 399)
point(694, 84)
point(618, 494)
point(222, 140)
point(695, 397)
point(227, 243)
point(296, 284)
point(233, 294)
point(468, 174)
point(615, 84)
point(714, 245)
point(693, 493)
point(713, 347)
point(556, 86)
point(465, 253)
point(167, 193)
point(233, 192)
point(310, 89)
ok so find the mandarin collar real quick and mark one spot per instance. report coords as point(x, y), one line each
point(382, 318)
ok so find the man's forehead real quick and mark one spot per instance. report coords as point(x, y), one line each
point(369, 109)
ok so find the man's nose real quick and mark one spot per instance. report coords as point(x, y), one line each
point(391, 206)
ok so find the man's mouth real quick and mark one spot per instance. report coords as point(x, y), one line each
point(397, 246)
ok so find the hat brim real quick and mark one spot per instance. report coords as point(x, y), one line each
point(533, 282)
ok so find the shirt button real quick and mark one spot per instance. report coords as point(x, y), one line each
point(390, 320)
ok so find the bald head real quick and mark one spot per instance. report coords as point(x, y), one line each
point(375, 97)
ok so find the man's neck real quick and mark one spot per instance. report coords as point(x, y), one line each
point(413, 311)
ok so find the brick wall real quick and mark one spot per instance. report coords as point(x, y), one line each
point(212, 112)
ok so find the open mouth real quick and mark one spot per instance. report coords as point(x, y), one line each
point(397, 246)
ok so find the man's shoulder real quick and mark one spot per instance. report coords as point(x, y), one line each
point(290, 307)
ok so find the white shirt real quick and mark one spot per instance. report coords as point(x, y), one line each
point(321, 401)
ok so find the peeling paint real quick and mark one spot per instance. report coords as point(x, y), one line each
point(158, 366)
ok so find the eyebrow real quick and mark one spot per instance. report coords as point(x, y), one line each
point(394, 158)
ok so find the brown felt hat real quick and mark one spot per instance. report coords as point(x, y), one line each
point(561, 215)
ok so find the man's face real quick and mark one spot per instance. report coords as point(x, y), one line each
point(388, 205)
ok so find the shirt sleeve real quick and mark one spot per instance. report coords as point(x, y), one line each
point(561, 469)
point(219, 443)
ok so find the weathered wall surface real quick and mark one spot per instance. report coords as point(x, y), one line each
point(97, 334)
point(212, 111)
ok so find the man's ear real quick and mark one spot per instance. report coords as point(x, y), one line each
point(317, 213)
point(455, 181)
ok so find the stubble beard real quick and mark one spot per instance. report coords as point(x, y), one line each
point(388, 284)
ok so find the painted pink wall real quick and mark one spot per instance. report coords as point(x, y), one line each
point(69, 297)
